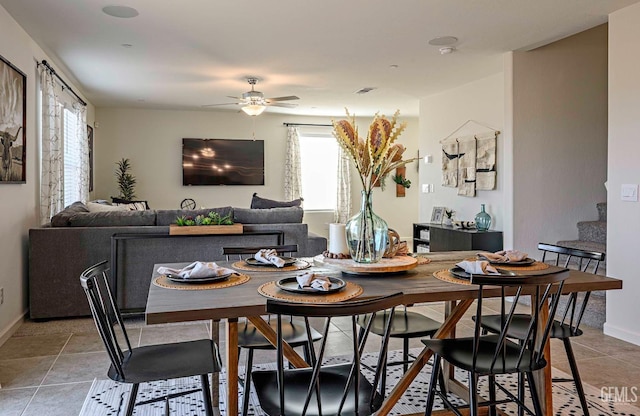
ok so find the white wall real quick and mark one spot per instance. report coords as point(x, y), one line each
point(152, 140)
point(440, 115)
point(18, 202)
point(559, 137)
point(623, 226)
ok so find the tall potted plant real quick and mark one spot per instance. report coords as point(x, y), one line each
point(126, 181)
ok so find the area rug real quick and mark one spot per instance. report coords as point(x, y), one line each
point(107, 398)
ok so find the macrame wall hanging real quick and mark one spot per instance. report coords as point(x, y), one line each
point(469, 162)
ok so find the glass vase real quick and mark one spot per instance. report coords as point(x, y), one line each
point(483, 220)
point(367, 233)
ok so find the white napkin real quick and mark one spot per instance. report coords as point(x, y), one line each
point(504, 256)
point(269, 256)
point(197, 270)
point(477, 267)
point(314, 281)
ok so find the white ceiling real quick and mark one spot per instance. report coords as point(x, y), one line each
point(189, 53)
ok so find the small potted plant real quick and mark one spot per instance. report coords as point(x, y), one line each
point(212, 223)
point(448, 216)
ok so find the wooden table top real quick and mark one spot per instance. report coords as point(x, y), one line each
point(418, 286)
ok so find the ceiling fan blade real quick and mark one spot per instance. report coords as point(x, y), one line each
point(290, 97)
point(287, 105)
point(235, 98)
point(215, 105)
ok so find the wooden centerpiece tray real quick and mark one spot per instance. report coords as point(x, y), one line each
point(205, 229)
point(392, 265)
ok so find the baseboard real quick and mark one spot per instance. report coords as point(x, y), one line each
point(12, 328)
point(620, 333)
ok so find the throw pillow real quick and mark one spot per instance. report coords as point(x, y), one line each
point(96, 207)
point(134, 206)
point(115, 200)
point(61, 219)
point(264, 203)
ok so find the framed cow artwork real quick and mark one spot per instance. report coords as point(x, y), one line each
point(13, 115)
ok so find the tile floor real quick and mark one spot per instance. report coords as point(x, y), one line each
point(46, 368)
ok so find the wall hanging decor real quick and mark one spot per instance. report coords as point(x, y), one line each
point(13, 114)
point(469, 162)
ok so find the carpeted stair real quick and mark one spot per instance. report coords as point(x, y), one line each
point(592, 236)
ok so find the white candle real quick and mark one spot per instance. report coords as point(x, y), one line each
point(337, 239)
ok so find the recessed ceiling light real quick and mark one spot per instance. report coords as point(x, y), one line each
point(445, 50)
point(394, 66)
point(127, 45)
point(443, 41)
point(123, 12)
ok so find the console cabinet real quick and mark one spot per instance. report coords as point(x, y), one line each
point(435, 237)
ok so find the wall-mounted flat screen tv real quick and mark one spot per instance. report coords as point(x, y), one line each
point(222, 162)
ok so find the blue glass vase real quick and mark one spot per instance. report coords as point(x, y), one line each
point(483, 220)
point(367, 233)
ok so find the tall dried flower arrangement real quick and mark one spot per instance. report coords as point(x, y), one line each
point(377, 155)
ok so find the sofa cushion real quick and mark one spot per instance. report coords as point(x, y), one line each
point(113, 218)
point(268, 216)
point(264, 203)
point(168, 216)
point(61, 219)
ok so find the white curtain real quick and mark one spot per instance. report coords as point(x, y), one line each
point(52, 173)
point(343, 201)
point(292, 169)
point(81, 132)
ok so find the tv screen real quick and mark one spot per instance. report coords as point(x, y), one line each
point(222, 162)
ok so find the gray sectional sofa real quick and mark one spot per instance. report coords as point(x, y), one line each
point(76, 239)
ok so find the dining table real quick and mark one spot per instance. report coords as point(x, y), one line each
point(418, 285)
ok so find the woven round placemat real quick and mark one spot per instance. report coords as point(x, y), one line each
point(532, 267)
point(270, 290)
point(422, 260)
point(298, 265)
point(446, 276)
point(233, 280)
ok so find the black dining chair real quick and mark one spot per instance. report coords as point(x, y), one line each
point(495, 354)
point(567, 323)
point(250, 339)
point(325, 389)
point(148, 363)
point(405, 325)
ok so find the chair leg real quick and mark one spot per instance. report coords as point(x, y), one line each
point(206, 389)
point(521, 388)
point(537, 407)
point(432, 385)
point(132, 399)
point(576, 375)
point(492, 395)
point(405, 354)
point(473, 394)
point(246, 390)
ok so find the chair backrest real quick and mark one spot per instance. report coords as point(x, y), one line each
point(544, 290)
point(95, 282)
point(571, 313)
point(329, 311)
point(249, 251)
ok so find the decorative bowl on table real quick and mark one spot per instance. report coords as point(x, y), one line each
point(465, 225)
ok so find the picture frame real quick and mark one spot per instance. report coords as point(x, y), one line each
point(13, 121)
point(90, 143)
point(437, 214)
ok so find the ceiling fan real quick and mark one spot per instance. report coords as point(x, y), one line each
point(253, 102)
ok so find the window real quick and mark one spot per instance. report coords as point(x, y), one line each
point(72, 158)
point(319, 165)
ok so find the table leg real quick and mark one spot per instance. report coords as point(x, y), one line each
point(422, 359)
point(543, 377)
point(214, 334)
point(232, 366)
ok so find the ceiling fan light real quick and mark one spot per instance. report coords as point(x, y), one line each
point(253, 109)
